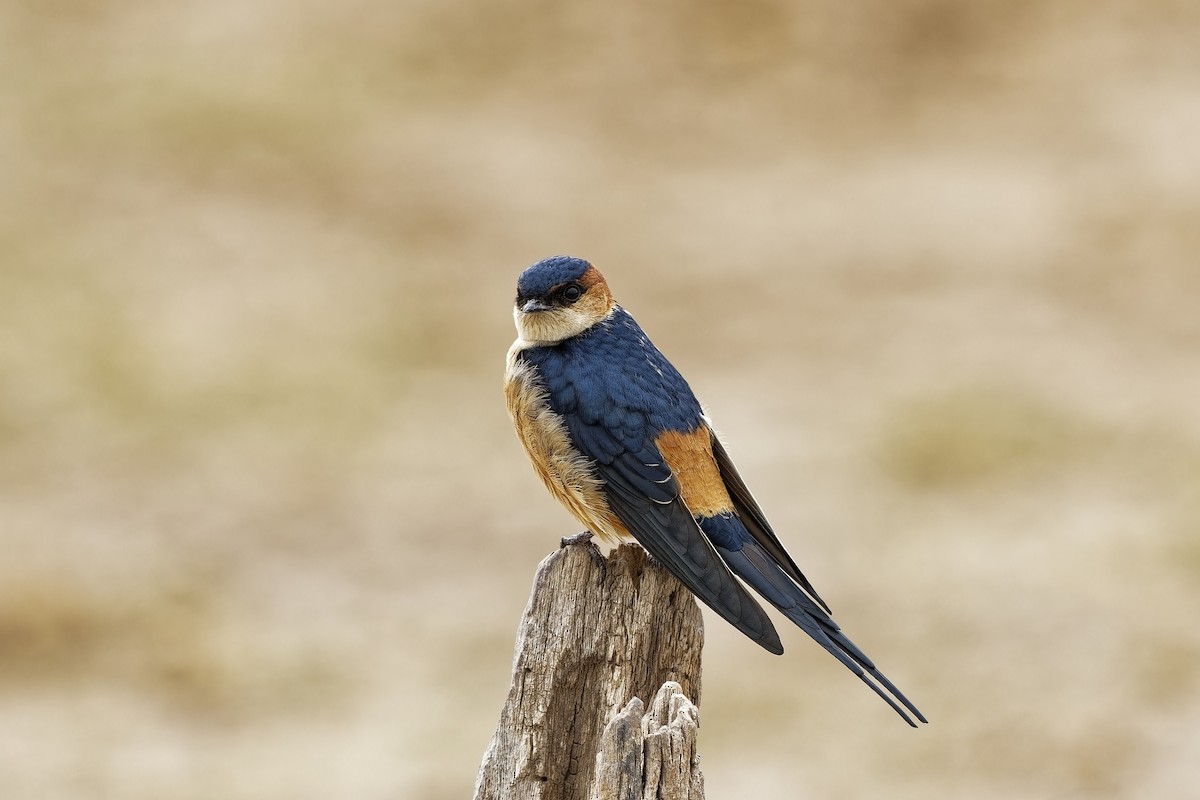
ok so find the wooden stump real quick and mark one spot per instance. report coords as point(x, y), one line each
point(597, 636)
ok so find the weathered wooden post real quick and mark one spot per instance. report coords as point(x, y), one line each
point(598, 639)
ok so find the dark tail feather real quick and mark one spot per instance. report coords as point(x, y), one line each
point(754, 566)
point(858, 655)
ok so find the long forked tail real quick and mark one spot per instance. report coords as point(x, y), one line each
point(752, 564)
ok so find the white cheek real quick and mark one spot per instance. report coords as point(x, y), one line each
point(550, 326)
point(528, 326)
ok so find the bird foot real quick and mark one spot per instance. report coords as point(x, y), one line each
point(579, 538)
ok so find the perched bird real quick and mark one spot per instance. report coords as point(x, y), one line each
point(617, 436)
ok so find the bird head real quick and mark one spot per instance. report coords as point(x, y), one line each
point(560, 297)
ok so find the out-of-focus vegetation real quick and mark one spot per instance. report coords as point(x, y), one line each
point(931, 265)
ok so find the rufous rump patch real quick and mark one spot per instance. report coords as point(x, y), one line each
point(690, 457)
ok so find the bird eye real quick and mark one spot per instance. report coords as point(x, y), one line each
point(571, 292)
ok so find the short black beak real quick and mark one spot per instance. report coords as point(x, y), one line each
point(534, 305)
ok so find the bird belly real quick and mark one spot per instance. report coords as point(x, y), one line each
point(568, 474)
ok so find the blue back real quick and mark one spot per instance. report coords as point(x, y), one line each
point(611, 375)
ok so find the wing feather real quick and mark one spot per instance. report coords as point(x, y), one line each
point(645, 497)
point(755, 520)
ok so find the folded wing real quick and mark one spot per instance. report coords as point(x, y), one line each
point(645, 496)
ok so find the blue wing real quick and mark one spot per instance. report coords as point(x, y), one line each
point(645, 496)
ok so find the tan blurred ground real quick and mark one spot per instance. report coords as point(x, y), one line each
point(931, 265)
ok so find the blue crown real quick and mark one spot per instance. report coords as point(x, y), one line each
point(543, 276)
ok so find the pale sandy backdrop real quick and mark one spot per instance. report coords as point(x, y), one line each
point(932, 266)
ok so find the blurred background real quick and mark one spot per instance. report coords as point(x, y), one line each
point(931, 265)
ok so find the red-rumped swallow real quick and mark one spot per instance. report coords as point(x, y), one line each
point(617, 436)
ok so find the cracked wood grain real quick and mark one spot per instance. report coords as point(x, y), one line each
point(597, 636)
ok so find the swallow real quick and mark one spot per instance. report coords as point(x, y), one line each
point(618, 437)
